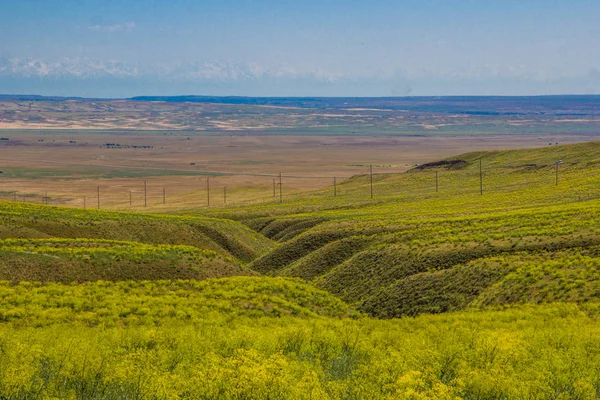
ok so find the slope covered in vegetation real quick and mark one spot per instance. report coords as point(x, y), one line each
point(41, 243)
point(412, 249)
point(84, 260)
point(235, 338)
point(226, 237)
point(101, 305)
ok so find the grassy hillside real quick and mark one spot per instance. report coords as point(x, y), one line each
point(502, 291)
point(512, 179)
point(392, 254)
point(388, 255)
point(53, 244)
point(226, 237)
point(273, 338)
point(83, 260)
point(150, 302)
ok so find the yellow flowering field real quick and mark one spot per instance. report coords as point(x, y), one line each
point(467, 292)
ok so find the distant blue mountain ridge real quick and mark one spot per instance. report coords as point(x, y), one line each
point(585, 105)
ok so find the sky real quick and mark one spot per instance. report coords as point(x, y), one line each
point(109, 48)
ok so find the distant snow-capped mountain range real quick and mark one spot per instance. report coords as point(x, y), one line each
point(114, 78)
point(191, 71)
point(221, 71)
point(76, 68)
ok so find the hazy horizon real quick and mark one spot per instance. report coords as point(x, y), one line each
point(117, 49)
point(203, 97)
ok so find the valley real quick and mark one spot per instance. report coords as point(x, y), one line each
point(452, 280)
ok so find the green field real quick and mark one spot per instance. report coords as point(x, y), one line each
point(415, 293)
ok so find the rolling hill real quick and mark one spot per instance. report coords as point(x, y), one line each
point(412, 249)
point(416, 293)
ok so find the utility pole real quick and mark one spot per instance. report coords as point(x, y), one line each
point(334, 187)
point(274, 186)
point(436, 181)
point(371, 178)
point(84, 202)
point(98, 197)
point(480, 179)
point(145, 194)
point(164, 197)
point(130, 198)
point(208, 191)
point(280, 190)
point(224, 194)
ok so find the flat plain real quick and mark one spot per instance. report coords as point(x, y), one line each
point(60, 151)
point(472, 275)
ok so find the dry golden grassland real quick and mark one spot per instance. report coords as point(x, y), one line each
point(47, 163)
point(113, 305)
point(58, 149)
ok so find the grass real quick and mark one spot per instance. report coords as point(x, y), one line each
point(146, 303)
point(406, 242)
point(367, 250)
point(385, 256)
point(415, 294)
point(84, 260)
point(143, 347)
point(226, 237)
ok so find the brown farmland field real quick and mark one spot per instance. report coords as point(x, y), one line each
point(61, 152)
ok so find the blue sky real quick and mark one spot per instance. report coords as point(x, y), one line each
point(341, 48)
